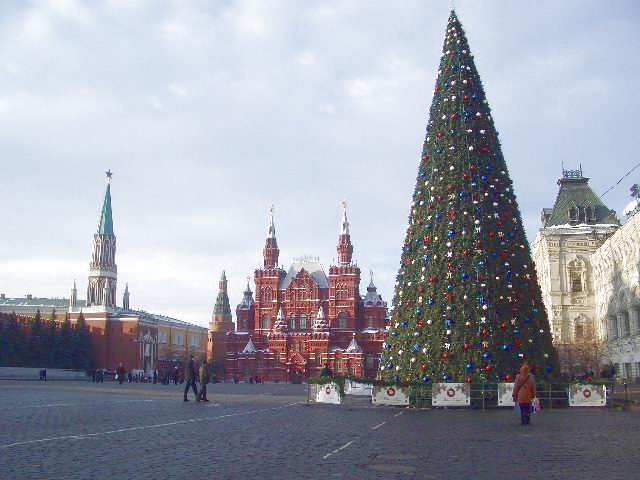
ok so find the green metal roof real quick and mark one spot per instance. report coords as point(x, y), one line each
point(575, 192)
point(106, 218)
point(39, 302)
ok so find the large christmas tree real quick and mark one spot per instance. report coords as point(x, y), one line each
point(467, 304)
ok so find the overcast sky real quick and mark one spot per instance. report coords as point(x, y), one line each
point(209, 112)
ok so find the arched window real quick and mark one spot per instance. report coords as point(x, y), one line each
point(312, 319)
point(243, 325)
point(342, 320)
point(291, 296)
point(303, 322)
point(267, 295)
point(573, 214)
point(590, 212)
point(292, 322)
point(266, 322)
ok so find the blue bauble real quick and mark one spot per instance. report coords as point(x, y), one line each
point(447, 377)
point(483, 178)
point(419, 310)
point(404, 324)
point(425, 379)
point(548, 368)
point(506, 347)
point(486, 355)
point(451, 233)
point(469, 366)
point(527, 319)
point(431, 301)
point(390, 366)
point(416, 347)
point(465, 276)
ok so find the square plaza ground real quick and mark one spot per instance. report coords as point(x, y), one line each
point(78, 430)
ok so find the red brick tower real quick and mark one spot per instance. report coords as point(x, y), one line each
point(267, 280)
point(245, 312)
point(221, 323)
point(344, 282)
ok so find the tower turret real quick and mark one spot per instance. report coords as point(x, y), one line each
point(73, 299)
point(271, 251)
point(345, 249)
point(103, 272)
point(125, 297)
point(245, 312)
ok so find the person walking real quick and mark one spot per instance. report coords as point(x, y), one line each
point(190, 379)
point(175, 376)
point(120, 373)
point(524, 391)
point(203, 373)
point(155, 377)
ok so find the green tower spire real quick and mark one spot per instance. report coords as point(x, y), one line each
point(106, 218)
point(467, 304)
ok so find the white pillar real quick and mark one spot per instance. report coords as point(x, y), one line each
point(633, 320)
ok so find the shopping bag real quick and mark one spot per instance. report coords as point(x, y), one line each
point(535, 405)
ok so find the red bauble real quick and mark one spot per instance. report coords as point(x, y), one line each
point(465, 346)
point(469, 379)
point(419, 323)
point(503, 326)
point(484, 149)
point(465, 98)
point(425, 239)
point(465, 252)
point(423, 367)
point(445, 355)
point(450, 266)
point(472, 167)
point(518, 343)
point(465, 175)
point(487, 368)
point(492, 234)
point(507, 377)
point(454, 115)
point(536, 366)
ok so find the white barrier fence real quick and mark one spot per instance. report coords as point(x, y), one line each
point(328, 393)
point(587, 395)
point(390, 395)
point(456, 395)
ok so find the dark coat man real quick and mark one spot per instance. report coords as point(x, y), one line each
point(190, 379)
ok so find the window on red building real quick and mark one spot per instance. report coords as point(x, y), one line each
point(312, 319)
point(303, 322)
point(342, 320)
point(292, 322)
point(265, 322)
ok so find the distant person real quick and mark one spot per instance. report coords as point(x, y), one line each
point(93, 375)
point(190, 379)
point(120, 373)
point(203, 373)
point(326, 371)
point(155, 376)
point(130, 377)
point(524, 391)
point(175, 376)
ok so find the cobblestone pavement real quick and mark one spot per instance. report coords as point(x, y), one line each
point(82, 430)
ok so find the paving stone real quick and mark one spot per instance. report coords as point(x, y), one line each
point(111, 431)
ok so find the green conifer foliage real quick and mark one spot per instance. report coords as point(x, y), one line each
point(467, 304)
